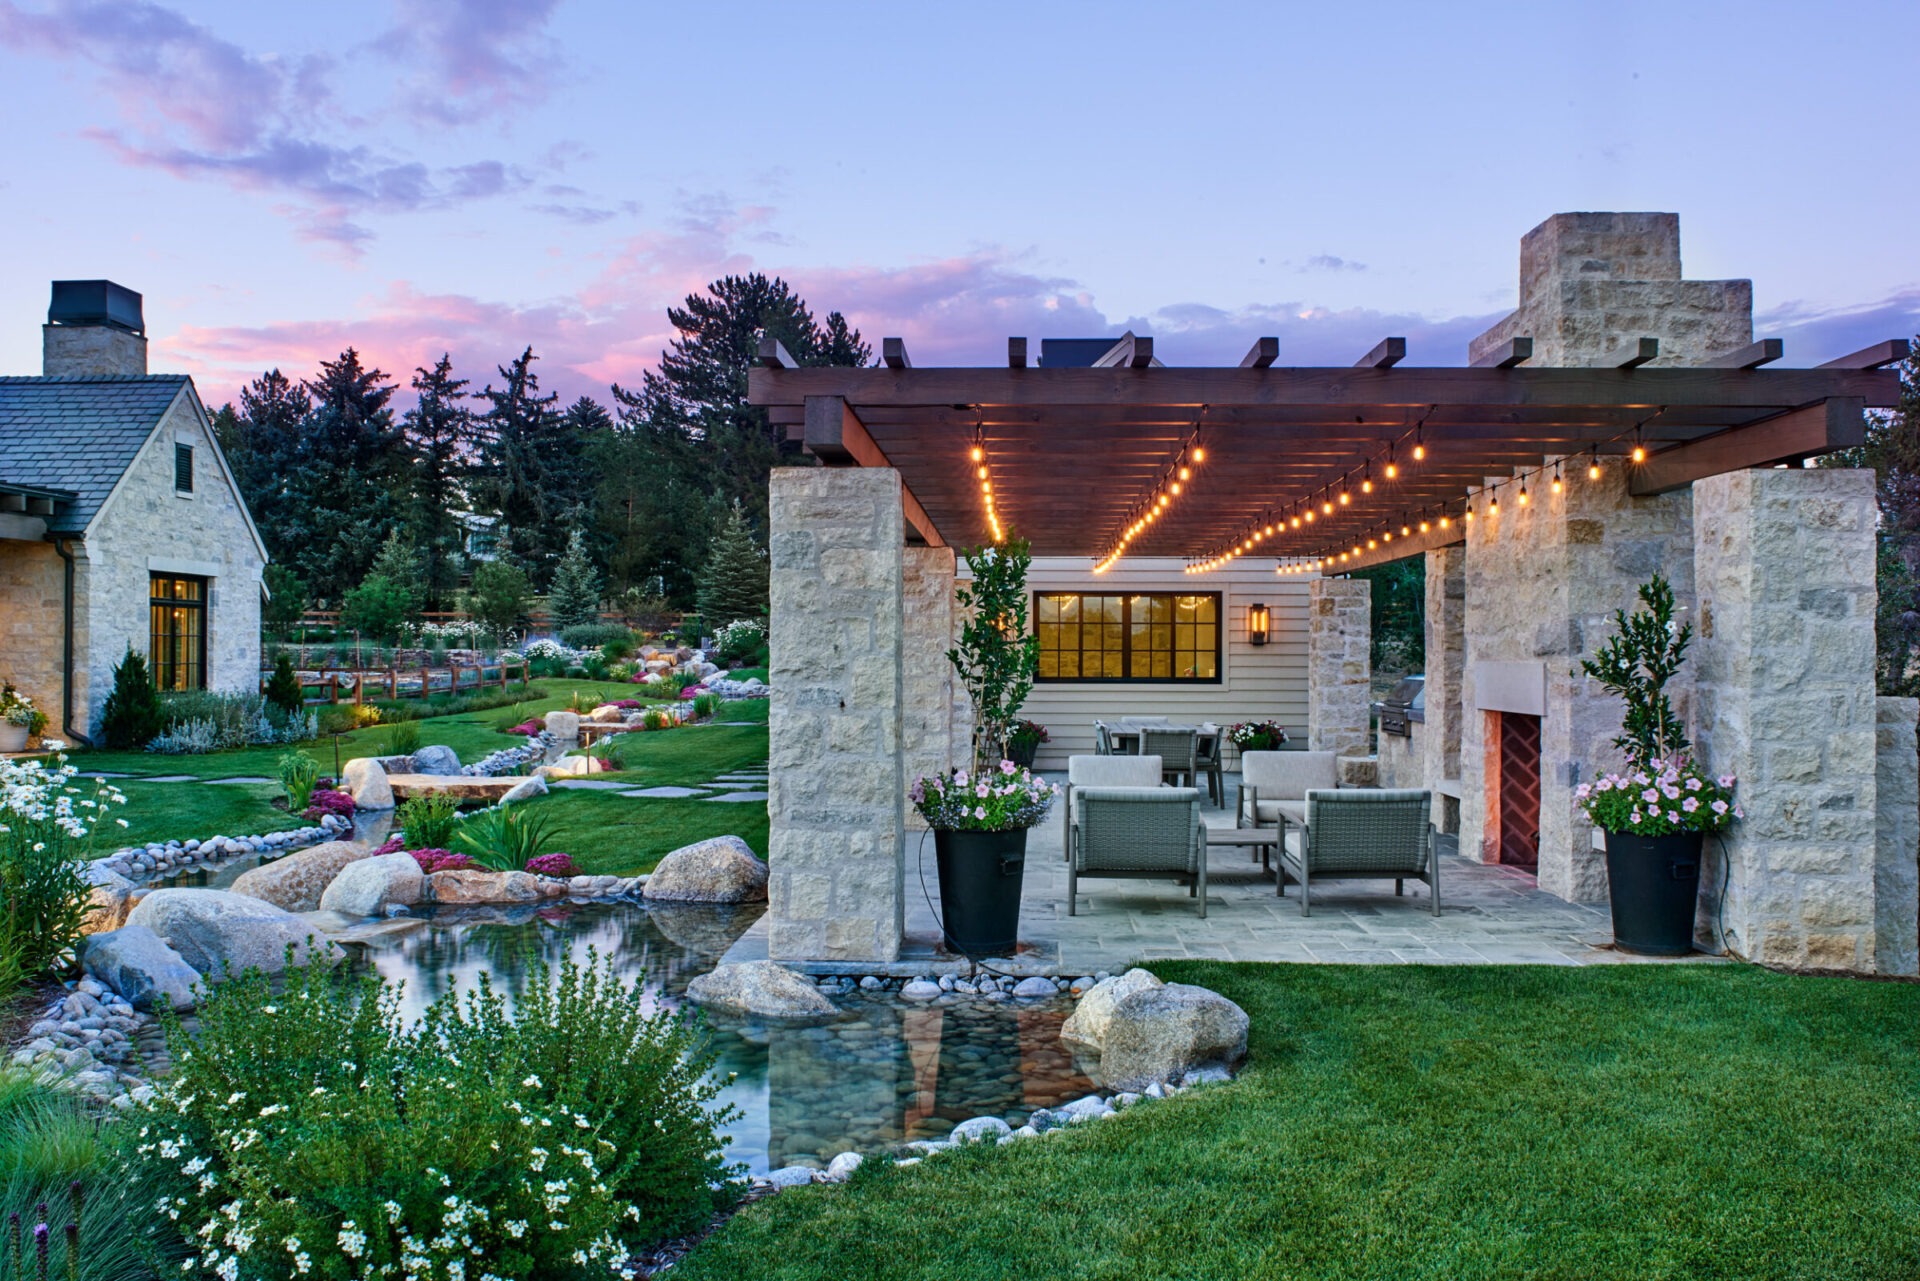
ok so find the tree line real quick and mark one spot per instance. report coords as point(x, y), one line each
point(641, 488)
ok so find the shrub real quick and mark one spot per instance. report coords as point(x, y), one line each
point(529, 727)
point(705, 705)
point(46, 826)
point(441, 860)
point(596, 667)
point(283, 687)
point(429, 822)
point(740, 639)
point(325, 801)
point(298, 774)
point(560, 865)
point(609, 752)
point(499, 596)
point(582, 703)
point(656, 718)
point(598, 636)
point(379, 607)
point(330, 1138)
point(132, 717)
point(574, 597)
point(188, 738)
point(735, 582)
point(403, 738)
point(502, 839)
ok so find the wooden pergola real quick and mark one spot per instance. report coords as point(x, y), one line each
point(1077, 456)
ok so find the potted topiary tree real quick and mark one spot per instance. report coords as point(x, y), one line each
point(980, 814)
point(1657, 813)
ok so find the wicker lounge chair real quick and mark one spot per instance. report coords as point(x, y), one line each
point(1178, 750)
point(1137, 832)
point(1273, 782)
point(1104, 771)
point(1361, 832)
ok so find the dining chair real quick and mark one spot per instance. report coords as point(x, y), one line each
point(1207, 753)
point(1176, 749)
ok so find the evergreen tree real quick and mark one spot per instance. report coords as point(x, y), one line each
point(529, 469)
point(653, 513)
point(574, 597)
point(439, 437)
point(286, 597)
point(735, 585)
point(499, 596)
point(400, 565)
point(283, 687)
point(133, 716)
point(262, 447)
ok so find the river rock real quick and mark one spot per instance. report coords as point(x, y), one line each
point(372, 885)
point(841, 1168)
point(216, 930)
point(564, 726)
point(477, 885)
point(296, 882)
point(921, 990)
point(760, 988)
point(436, 760)
point(366, 782)
point(722, 869)
point(1034, 988)
point(138, 964)
point(1087, 1025)
point(1160, 1034)
point(525, 790)
point(981, 1127)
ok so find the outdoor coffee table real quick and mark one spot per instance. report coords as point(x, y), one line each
point(1260, 839)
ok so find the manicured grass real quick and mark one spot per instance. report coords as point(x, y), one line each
point(691, 754)
point(192, 811)
point(612, 835)
point(1413, 1122)
point(748, 673)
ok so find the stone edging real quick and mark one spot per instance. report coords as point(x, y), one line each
point(157, 860)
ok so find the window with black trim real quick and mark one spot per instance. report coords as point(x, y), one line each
point(1143, 636)
point(182, 469)
point(177, 621)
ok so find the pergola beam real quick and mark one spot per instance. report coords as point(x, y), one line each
point(1878, 356)
point(1386, 353)
point(772, 355)
point(1514, 351)
point(1414, 544)
point(1634, 354)
point(1016, 353)
point(1839, 423)
point(835, 435)
point(1752, 356)
point(1262, 354)
point(1132, 351)
point(893, 352)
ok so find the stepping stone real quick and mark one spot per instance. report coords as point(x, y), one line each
point(664, 793)
point(740, 796)
point(242, 778)
point(730, 785)
point(589, 784)
point(172, 778)
point(102, 774)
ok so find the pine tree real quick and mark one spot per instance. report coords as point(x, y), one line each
point(735, 585)
point(574, 597)
point(399, 564)
point(439, 436)
point(133, 716)
point(528, 469)
point(262, 449)
point(283, 687)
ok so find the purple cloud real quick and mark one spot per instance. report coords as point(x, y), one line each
point(474, 58)
point(1331, 262)
point(1814, 334)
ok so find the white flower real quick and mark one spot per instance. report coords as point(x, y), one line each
point(532, 1082)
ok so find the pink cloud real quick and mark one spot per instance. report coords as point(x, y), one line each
point(474, 58)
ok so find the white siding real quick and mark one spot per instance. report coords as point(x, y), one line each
point(1257, 682)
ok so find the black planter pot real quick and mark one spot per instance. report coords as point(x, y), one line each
point(980, 878)
point(1653, 882)
point(1022, 753)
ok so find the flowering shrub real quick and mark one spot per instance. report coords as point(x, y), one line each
point(45, 828)
point(692, 692)
point(529, 727)
point(325, 801)
point(313, 1132)
point(553, 865)
point(997, 800)
point(17, 709)
point(432, 861)
point(742, 636)
point(552, 651)
point(1256, 736)
point(1669, 796)
point(392, 845)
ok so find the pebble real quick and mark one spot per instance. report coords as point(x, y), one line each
point(1080, 985)
point(1028, 989)
point(921, 990)
point(980, 1127)
point(842, 1167)
point(791, 1176)
point(870, 983)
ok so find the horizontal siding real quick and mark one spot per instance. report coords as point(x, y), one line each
point(1266, 682)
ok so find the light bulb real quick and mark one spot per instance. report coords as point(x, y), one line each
point(1593, 470)
point(1493, 507)
point(1366, 485)
point(1296, 520)
point(1345, 498)
point(1523, 495)
point(1423, 526)
point(1199, 454)
point(1404, 531)
point(1309, 516)
point(1326, 508)
point(1556, 480)
point(1185, 473)
point(1393, 470)
point(1176, 486)
point(981, 472)
point(1639, 454)
point(978, 453)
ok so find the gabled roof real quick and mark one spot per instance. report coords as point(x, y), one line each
point(79, 435)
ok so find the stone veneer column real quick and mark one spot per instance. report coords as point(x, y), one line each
point(1784, 684)
point(837, 794)
point(936, 718)
point(1446, 668)
point(1896, 867)
point(1339, 664)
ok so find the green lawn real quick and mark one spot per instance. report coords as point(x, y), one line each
point(614, 835)
point(1413, 1122)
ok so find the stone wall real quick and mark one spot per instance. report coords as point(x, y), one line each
point(32, 602)
point(1784, 680)
point(91, 351)
point(936, 716)
point(1446, 645)
point(837, 792)
point(145, 528)
point(1896, 864)
point(1339, 665)
point(1403, 761)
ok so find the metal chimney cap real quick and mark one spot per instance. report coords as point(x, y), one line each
point(97, 303)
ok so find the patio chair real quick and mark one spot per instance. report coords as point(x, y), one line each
point(1178, 751)
point(1137, 832)
point(1362, 832)
point(1207, 754)
point(1275, 782)
point(1103, 771)
point(1102, 739)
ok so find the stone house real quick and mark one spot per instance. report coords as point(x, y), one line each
point(121, 526)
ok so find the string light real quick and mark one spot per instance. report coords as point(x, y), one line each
point(979, 456)
point(1366, 480)
point(1523, 492)
point(1172, 484)
point(1593, 463)
point(1556, 477)
point(1393, 468)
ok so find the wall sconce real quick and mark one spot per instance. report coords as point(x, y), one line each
point(1258, 622)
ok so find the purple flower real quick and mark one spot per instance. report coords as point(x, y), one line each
point(553, 865)
point(979, 811)
point(1008, 767)
point(1718, 807)
point(1725, 780)
point(1691, 804)
point(1650, 796)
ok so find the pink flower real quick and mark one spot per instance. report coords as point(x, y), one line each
point(959, 778)
point(1583, 791)
point(1604, 785)
point(1693, 785)
point(1691, 804)
point(1650, 796)
point(1008, 767)
point(979, 811)
point(1635, 816)
point(1725, 780)
point(982, 790)
point(1737, 813)
point(1718, 807)
point(1670, 792)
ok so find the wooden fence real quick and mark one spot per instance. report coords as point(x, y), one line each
point(398, 681)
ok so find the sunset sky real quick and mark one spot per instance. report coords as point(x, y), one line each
point(412, 176)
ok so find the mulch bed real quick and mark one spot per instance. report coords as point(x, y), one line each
point(661, 1257)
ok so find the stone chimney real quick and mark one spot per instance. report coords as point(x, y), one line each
point(94, 329)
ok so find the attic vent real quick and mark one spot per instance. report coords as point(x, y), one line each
point(183, 469)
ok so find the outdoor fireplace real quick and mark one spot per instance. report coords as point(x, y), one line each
point(1512, 833)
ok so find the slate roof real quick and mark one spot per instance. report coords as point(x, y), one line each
point(78, 434)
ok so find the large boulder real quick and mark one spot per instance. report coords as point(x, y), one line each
point(607, 714)
point(138, 964)
point(366, 782)
point(109, 899)
point(762, 989)
point(1087, 1025)
point(722, 869)
point(1159, 1034)
point(436, 760)
point(525, 790)
point(372, 885)
point(477, 885)
point(214, 930)
point(296, 882)
point(564, 726)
